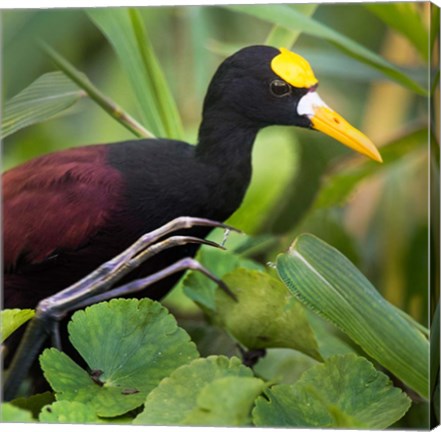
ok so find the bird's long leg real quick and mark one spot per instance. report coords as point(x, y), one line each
point(120, 265)
point(67, 300)
point(141, 284)
point(52, 309)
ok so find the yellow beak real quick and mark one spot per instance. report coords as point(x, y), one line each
point(325, 120)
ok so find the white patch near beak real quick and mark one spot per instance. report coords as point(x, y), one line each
point(309, 103)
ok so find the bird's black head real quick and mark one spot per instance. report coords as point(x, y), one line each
point(246, 86)
point(260, 86)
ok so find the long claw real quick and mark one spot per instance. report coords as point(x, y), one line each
point(190, 222)
point(141, 284)
point(224, 287)
point(204, 242)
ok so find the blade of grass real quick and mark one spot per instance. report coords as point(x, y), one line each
point(166, 104)
point(282, 37)
point(424, 330)
point(47, 96)
point(125, 31)
point(289, 18)
point(405, 19)
point(200, 31)
point(328, 283)
point(96, 95)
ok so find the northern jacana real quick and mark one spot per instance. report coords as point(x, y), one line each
point(67, 212)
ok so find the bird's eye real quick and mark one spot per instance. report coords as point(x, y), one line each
point(280, 88)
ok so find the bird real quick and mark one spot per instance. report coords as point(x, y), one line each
point(67, 212)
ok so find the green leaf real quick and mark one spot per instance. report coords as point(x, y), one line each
point(47, 96)
point(11, 414)
point(329, 338)
point(128, 345)
point(337, 187)
point(331, 64)
point(226, 402)
point(328, 283)
point(404, 18)
point(281, 36)
point(289, 18)
point(202, 290)
point(96, 95)
point(66, 411)
point(12, 319)
point(434, 25)
point(265, 315)
point(178, 396)
point(283, 365)
point(124, 29)
point(435, 363)
point(344, 392)
point(34, 403)
point(69, 412)
point(336, 65)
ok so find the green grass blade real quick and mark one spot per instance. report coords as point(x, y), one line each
point(423, 329)
point(405, 19)
point(95, 94)
point(125, 31)
point(281, 36)
point(328, 283)
point(47, 96)
point(289, 18)
point(200, 32)
point(164, 99)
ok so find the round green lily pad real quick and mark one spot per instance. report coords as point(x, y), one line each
point(225, 402)
point(12, 414)
point(344, 392)
point(177, 396)
point(128, 345)
point(69, 412)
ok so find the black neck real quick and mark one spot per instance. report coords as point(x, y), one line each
point(225, 141)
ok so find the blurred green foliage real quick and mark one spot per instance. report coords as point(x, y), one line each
point(377, 215)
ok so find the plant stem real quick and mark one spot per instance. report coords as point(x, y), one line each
point(95, 94)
